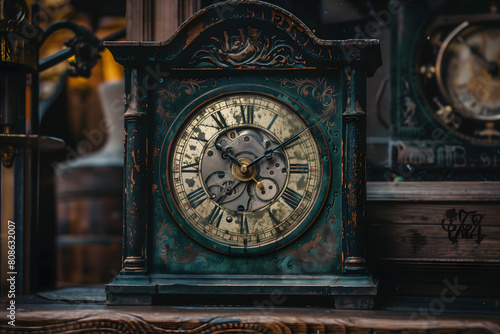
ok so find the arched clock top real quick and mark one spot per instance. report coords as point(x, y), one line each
point(246, 34)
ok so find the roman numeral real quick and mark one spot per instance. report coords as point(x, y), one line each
point(219, 119)
point(199, 138)
point(243, 224)
point(292, 198)
point(308, 196)
point(247, 114)
point(275, 220)
point(299, 168)
point(272, 121)
point(197, 197)
point(215, 216)
point(191, 168)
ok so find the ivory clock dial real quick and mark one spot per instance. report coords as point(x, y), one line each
point(227, 196)
point(458, 68)
point(470, 72)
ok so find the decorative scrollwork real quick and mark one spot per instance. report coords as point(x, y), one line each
point(331, 213)
point(162, 240)
point(317, 252)
point(119, 322)
point(248, 48)
point(187, 255)
point(321, 91)
point(175, 88)
point(190, 255)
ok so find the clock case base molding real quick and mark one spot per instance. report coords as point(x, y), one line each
point(244, 46)
point(346, 292)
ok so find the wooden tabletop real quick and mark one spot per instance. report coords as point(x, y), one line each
point(84, 311)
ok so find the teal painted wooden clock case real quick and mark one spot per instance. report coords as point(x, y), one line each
point(244, 161)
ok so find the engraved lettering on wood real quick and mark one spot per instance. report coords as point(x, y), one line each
point(463, 225)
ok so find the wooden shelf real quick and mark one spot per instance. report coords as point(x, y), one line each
point(433, 191)
point(65, 311)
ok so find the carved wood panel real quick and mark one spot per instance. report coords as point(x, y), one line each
point(256, 320)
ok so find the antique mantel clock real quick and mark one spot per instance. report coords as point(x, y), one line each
point(446, 106)
point(244, 160)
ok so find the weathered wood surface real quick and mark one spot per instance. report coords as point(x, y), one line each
point(157, 20)
point(433, 191)
point(91, 318)
point(413, 251)
point(416, 231)
point(434, 221)
point(89, 210)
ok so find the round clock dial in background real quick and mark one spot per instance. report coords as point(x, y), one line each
point(245, 172)
point(468, 71)
point(458, 72)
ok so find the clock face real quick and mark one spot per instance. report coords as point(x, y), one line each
point(245, 172)
point(458, 70)
point(469, 74)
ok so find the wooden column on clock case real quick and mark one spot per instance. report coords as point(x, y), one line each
point(136, 168)
point(146, 21)
point(354, 171)
point(136, 191)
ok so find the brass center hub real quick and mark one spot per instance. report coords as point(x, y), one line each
point(244, 173)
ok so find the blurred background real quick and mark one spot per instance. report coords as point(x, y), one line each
point(433, 116)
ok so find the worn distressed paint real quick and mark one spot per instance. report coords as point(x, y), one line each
point(321, 80)
point(354, 170)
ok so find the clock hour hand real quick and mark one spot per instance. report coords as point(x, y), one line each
point(270, 151)
point(225, 153)
point(492, 66)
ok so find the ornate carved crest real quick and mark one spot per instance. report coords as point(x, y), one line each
point(248, 48)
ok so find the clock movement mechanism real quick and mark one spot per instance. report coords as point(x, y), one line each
point(246, 173)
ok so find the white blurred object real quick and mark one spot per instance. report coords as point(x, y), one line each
point(111, 154)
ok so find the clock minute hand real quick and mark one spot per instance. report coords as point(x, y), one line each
point(270, 151)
